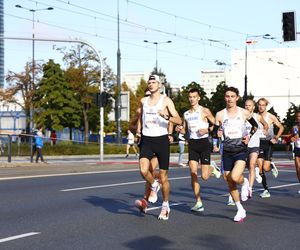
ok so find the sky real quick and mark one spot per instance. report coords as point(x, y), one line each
point(202, 32)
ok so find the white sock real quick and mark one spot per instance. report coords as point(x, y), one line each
point(165, 204)
point(239, 205)
point(154, 184)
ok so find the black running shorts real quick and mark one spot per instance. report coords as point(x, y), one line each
point(159, 146)
point(265, 150)
point(199, 149)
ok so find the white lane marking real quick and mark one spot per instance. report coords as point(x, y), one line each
point(116, 184)
point(171, 205)
point(18, 236)
point(66, 174)
point(274, 187)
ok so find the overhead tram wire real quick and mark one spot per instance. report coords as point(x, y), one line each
point(115, 40)
point(205, 41)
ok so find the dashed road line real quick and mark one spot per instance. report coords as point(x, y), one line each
point(18, 236)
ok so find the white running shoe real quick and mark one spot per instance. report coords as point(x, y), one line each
point(154, 190)
point(230, 201)
point(216, 170)
point(265, 194)
point(274, 170)
point(198, 207)
point(245, 190)
point(258, 178)
point(240, 215)
point(164, 214)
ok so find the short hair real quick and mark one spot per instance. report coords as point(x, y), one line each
point(194, 90)
point(251, 100)
point(232, 89)
point(264, 100)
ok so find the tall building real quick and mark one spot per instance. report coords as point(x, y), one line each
point(1, 45)
point(133, 79)
point(210, 79)
point(272, 73)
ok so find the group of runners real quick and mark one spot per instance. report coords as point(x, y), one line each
point(246, 139)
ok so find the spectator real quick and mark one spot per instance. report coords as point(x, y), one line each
point(53, 137)
point(39, 143)
point(130, 143)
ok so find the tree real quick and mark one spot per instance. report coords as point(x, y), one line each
point(217, 98)
point(84, 74)
point(55, 104)
point(22, 85)
point(182, 100)
point(289, 121)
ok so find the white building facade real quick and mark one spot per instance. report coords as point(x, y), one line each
point(272, 73)
point(210, 79)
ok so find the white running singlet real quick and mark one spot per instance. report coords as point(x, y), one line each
point(153, 124)
point(195, 122)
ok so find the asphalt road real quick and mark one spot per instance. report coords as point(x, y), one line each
point(90, 206)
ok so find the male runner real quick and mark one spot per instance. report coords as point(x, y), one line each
point(266, 145)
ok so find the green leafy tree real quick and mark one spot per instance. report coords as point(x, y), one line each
point(54, 101)
point(84, 74)
point(181, 100)
point(289, 120)
point(217, 99)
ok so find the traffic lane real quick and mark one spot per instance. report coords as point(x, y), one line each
point(114, 205)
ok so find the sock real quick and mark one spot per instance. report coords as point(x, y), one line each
point(264, 181)
point(165, 204)
point(154, 184)
point(239, 205)
point(199, 203)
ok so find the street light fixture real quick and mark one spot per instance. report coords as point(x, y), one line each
point(33, 59)
point(249, 42)
point(156, 45)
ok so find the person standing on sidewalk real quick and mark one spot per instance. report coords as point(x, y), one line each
point(196, 124)
point(39, 144)
point(157, 110)
point(267, 142)
point(296, 140)
point(181, 144)
point(130, 143)
point(233, 121)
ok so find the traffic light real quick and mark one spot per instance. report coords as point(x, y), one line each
point(104, 98)
point(288, 26)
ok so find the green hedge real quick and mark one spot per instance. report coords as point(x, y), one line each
point(68, 148)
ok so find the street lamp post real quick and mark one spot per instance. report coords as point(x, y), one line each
point(156, 45)
point(33, 62)
point(249, 42)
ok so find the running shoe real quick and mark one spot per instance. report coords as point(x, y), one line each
point(274, 170)
point(245, 190)
point(240, 215)
point(164, 214)
point(230, 201)
point(198, 207)
point(216, 170)
point(142, 205)
point(299, 192)
point(258, 178)
point(154, 190)
point(265, 194)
